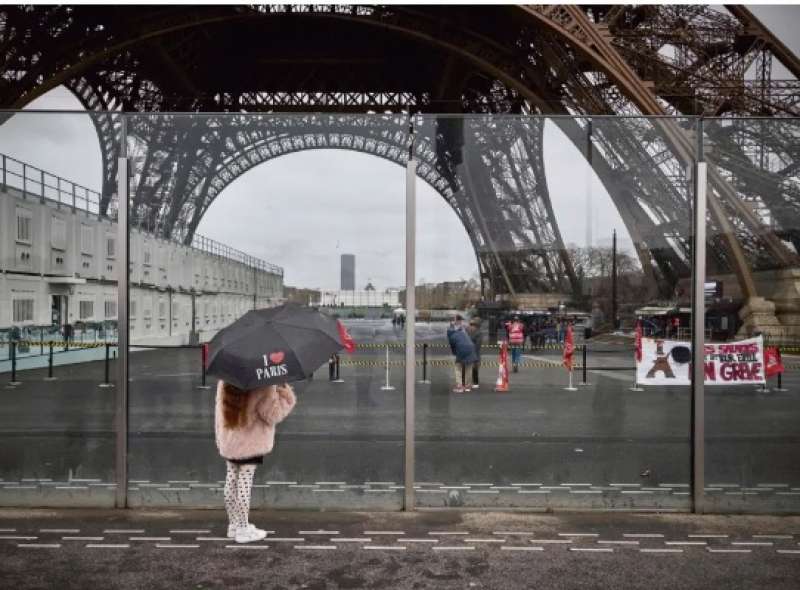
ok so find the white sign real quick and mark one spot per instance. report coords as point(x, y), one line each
point(668, 362)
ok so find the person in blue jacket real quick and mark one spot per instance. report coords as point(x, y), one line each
point(464, 350)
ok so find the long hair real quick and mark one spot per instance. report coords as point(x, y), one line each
point(234, 405)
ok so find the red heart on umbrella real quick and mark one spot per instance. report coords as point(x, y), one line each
point(276, 357)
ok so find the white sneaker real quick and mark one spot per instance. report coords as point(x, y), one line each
point(250, 525)
point(249, 535)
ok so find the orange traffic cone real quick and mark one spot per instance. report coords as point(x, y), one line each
point(502, 372)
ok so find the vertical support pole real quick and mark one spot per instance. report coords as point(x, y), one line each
point(614, 280)
point(411, 315)
point(50, 363)
point(123, 202)
point(13, 364)
point(583, 360)
point(107, 381)
point(698, 333)
point(41, 341)
point(5, 178)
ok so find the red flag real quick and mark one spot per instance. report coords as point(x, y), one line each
point(638, 341)
point(773, 364)
point(569, 348)
point(347, 340)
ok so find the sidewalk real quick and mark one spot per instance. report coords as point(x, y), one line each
point(188, 549)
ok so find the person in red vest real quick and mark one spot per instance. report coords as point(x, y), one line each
point(516, 339)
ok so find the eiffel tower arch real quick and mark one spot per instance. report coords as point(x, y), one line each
point(586, 62)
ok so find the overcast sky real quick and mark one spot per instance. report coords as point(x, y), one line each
point(303, 210)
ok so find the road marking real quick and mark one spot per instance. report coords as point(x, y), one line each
point(707, 536)
point(39, 545)
point(469, 540)
point(352, 540)
point(59, 530)
point(789, 551)
point(515, 548)
point(578, 535)
point(330, 483)
point(772, 536)
point(123, 532)
point(512, 533)
point(448, 533)
point(450, 548)
point(315, 547)
point(16, 538)
point(407, 540)
point(171, 546)
point(753, 543)
point(190, 531)
point(320, 532)
point(384, 533)
point(8, 530)
point(213, 539)
point(644, 535)
point(82, 538)
point(660, 550)
point(619, 542)
point(711, 550)
point(107, 546)
point(385, 547)
point(149, 538)
point(243, 546)
point(555, 541)
point(688, 543)
point(593, 549)
point(288, 539)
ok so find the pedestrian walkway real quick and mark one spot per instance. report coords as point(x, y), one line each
point(189, 548)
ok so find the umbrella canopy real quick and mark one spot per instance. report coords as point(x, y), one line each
point(276, 345)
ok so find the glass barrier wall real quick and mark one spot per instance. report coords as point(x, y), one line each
point(232, 213)
point(561, 243)
point(752, 290)
point(58, 308)
point(569, 236)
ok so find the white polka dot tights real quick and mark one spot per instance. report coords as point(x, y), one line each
point(238, 484)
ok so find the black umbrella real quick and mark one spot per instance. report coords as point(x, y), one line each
point(276, 345)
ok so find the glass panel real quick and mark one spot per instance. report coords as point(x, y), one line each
point(234, 212)
point(753, 289)
point(58, 293)
point(564, 225)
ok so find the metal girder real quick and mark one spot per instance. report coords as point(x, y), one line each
point(546, 59)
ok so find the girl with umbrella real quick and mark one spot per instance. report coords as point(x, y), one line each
point(255, 358)
point(245, 431)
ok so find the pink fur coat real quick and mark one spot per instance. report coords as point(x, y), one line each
point(266, 407)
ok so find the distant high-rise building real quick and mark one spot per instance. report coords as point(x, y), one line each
point(348, 272)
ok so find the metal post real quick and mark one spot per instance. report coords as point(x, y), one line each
point(584, 382)
point(121, 410)
point(411, 315)
point(50, 364)
point(107, 382)
point(41, 341)
point(425, 363)
point(13, 364)
point(614, 280)
point(698, 337)
point(4, 173)
point(203, 362)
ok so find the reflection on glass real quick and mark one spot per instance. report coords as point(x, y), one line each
point(578, 229)
point(239, 212)
point(58, 297)
point(752, 288)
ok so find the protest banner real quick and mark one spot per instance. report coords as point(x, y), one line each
point(668, 362)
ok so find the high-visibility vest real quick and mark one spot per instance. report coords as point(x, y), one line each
point(516, 334)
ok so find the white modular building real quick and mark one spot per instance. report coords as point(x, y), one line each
point(59, 263)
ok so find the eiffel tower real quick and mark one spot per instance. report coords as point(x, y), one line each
point(372, 75)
